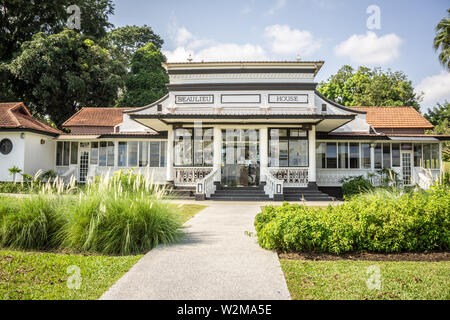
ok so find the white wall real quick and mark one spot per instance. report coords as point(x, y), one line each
point(14, 158)
point(39, 156)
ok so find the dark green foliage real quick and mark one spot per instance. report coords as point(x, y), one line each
point(379, 221)
point(442, 41)
point(355, 185)
point(370, 87)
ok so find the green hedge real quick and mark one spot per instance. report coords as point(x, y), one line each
point(379, 221)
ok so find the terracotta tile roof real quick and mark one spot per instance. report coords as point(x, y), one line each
point(394, 117)
point(14, 115)
point(96, 117)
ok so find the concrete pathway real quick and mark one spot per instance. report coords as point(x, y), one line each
point(216, 260)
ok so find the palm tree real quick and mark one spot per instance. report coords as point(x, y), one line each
point(442, 41)
point(14, 171)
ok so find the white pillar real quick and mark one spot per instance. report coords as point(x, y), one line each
point(312, 155)
point(441, 164)
point(169, 155)
point(264, 151)
point(218, 153)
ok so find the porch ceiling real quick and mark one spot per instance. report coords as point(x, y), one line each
point(325, 123)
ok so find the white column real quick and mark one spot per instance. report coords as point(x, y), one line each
point(169, 155)
point(218, 153)
point(312, 155)
point(264, 151)
point(372, 157)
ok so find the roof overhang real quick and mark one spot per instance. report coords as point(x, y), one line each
point(162, 122)
point(409, 138)
point(67, 137)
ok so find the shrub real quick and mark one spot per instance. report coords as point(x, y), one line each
point(27, 223)
point(355, 185)
point(378, 221)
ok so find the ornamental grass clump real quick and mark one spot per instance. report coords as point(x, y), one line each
point(378, 221)
point(28, 223)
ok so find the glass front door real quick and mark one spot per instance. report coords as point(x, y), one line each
point(407, 168)
point(240, 157)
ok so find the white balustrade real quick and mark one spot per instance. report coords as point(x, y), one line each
point(206, 185)
point(273, 185)
point(188, 176)
point(292, 177)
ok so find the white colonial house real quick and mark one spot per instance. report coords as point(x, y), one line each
point(234, 131)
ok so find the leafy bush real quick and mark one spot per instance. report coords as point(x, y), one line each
point(378, 221)
point(355, 185)
point(27, 223)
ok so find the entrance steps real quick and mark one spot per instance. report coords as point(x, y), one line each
point(306, 194)
point(240, 194)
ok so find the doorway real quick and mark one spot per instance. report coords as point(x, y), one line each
point(407, 168)
point(84, 162)
point(240, 157)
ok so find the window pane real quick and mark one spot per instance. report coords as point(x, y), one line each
point(395, 155)
point(417, 155)
point(320, 155)
point(297, 133)
point(284, 153)
point(343, 155)
point(143, 154)
point(132, 154)
point(274, 157)
point(386, 155)
point(66, 153)
point(94, 153)
point(102, 154)
point(154, 154)
point(331, 155)
point(110, 154)
point(406, 146)
point(59, 152)
point(183, 147)
point(163, 154)
point(354, 155)
point(208, 150)
point(298, 153)
point(435, 156)
point(122, 157)
point(378, 156)
point(427, 156)
point(365, 149)
point(74, 153)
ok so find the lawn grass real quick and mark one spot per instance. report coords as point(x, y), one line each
point(447, 166)
point(346, 280)
point(187, 211)
point(44, 276)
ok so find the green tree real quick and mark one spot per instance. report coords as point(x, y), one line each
point(58, 74)
point(128, 39)
point(147, 80)
point(442, 41)
point(20, 20)
point(370, 87)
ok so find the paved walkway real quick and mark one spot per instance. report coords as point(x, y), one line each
point(216, 260)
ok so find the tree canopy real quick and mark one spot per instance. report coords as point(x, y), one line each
point(442, 41)
point(20, 20)
point(147, 79)
point(56, 74)
point(439, 116)
point(370, 87)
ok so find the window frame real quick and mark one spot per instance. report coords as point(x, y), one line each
point(288, 137)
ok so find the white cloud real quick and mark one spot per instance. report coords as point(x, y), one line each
point(369, 48)
point(435, 88)
point(209, 50)
point(278, 5)
point(284, 40)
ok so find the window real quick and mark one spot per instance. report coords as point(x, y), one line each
point(365, 150)
point(343, 155)
point(74, 153)
point(193, 147)
point(435, 156)
point(163, 161)
point(386, 155)
point(320, 155)
point(133, 154)
point(288, 148)
point(143, 153)
point(5, 146)
point(354, 155)
point(395, 155)
point(122, 157)
point(417, 155)
point(62, 153)
point(378, 156)
point(94, 153)
point(154, 153)
point(331, 155)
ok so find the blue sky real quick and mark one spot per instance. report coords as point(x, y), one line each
point(335, 31)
